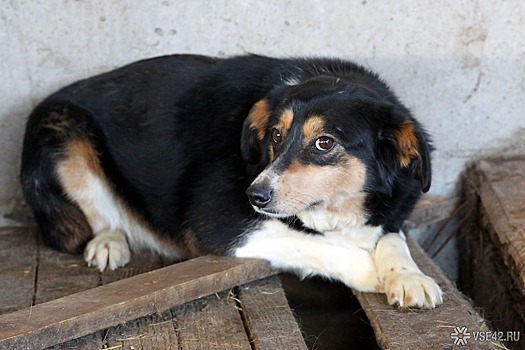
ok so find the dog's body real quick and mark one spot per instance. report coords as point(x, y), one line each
point(162, 154)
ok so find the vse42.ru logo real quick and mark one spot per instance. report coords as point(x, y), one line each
point(461, 336)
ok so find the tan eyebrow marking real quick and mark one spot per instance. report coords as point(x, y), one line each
point(313, 127)
point(285, 121)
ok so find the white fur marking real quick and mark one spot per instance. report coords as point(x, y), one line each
point(405, 284)
point(331, 256)
point(292, 81)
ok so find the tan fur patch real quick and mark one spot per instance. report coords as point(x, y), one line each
point(408, 143)
point(313, 128)
point(80, 158)
point(80, 161)
point(339, 187)
point(285, 122)
point(82, 154)
point(259, 116)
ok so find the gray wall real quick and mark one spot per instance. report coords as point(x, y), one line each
point(458, 64)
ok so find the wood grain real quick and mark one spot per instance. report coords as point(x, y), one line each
point(501, 188)
point(213, 322)
point(18, 262)
point(268, 316)
point(155, 331)
point(83, 313)
point(423, 329)
point(61, 274)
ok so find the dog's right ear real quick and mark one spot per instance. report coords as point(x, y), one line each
point(254, 132)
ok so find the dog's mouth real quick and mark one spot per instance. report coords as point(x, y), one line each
point(281, 214)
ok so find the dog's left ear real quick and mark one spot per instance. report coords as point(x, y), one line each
point(254, 132)
point(413, 149)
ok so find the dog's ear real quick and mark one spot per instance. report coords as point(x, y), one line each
point(412, 149)
point(254, 132)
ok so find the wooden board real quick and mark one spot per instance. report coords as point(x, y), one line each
point(493, 242)
point(213, 322)
point(18, 257)
point(82, 313)
point(61, 274)
point(140, 263)
point(268, 316)
point(424, 329)
point(501, 188)
point(155, 331)
point(252, 316)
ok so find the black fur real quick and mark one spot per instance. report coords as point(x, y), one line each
point(173, 142)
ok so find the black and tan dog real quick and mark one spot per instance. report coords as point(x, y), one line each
point(311, 164)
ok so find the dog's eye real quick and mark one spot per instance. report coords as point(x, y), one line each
point(324, 143)
point(276, 136)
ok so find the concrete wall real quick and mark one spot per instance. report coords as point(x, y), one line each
point(458, 64)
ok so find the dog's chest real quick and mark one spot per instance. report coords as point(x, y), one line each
point(343, 230)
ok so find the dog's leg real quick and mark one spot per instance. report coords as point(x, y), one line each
point(84, 185)
point(405, 285)
point(308, 254)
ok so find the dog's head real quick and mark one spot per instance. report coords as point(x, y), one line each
point(327, 143)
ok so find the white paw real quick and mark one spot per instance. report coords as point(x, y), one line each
point(412, 290)
point(107, 248)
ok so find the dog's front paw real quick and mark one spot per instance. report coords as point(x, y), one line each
point(107, 248)
point(412, 290)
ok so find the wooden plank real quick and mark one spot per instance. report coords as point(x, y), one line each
point(155, 331)
point(18, 256)
point(83, 313)
point(493, 242)
point(424, 329)
point(137, 332)
point(502, 304)
point(61, 274)
point(213, 322)
point(268, 316)
point(501, 187)
point(140, 263)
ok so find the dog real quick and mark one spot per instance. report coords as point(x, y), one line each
point(310, 163)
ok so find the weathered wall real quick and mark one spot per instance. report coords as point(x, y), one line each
point(458, 64)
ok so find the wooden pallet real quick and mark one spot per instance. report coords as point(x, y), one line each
point(54, 300)
point(204, 303)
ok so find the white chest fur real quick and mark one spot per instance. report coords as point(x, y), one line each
point(343, 230)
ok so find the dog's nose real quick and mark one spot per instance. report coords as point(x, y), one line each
point(259, 196)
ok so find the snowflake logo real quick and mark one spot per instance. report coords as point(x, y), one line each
point(460, 335)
